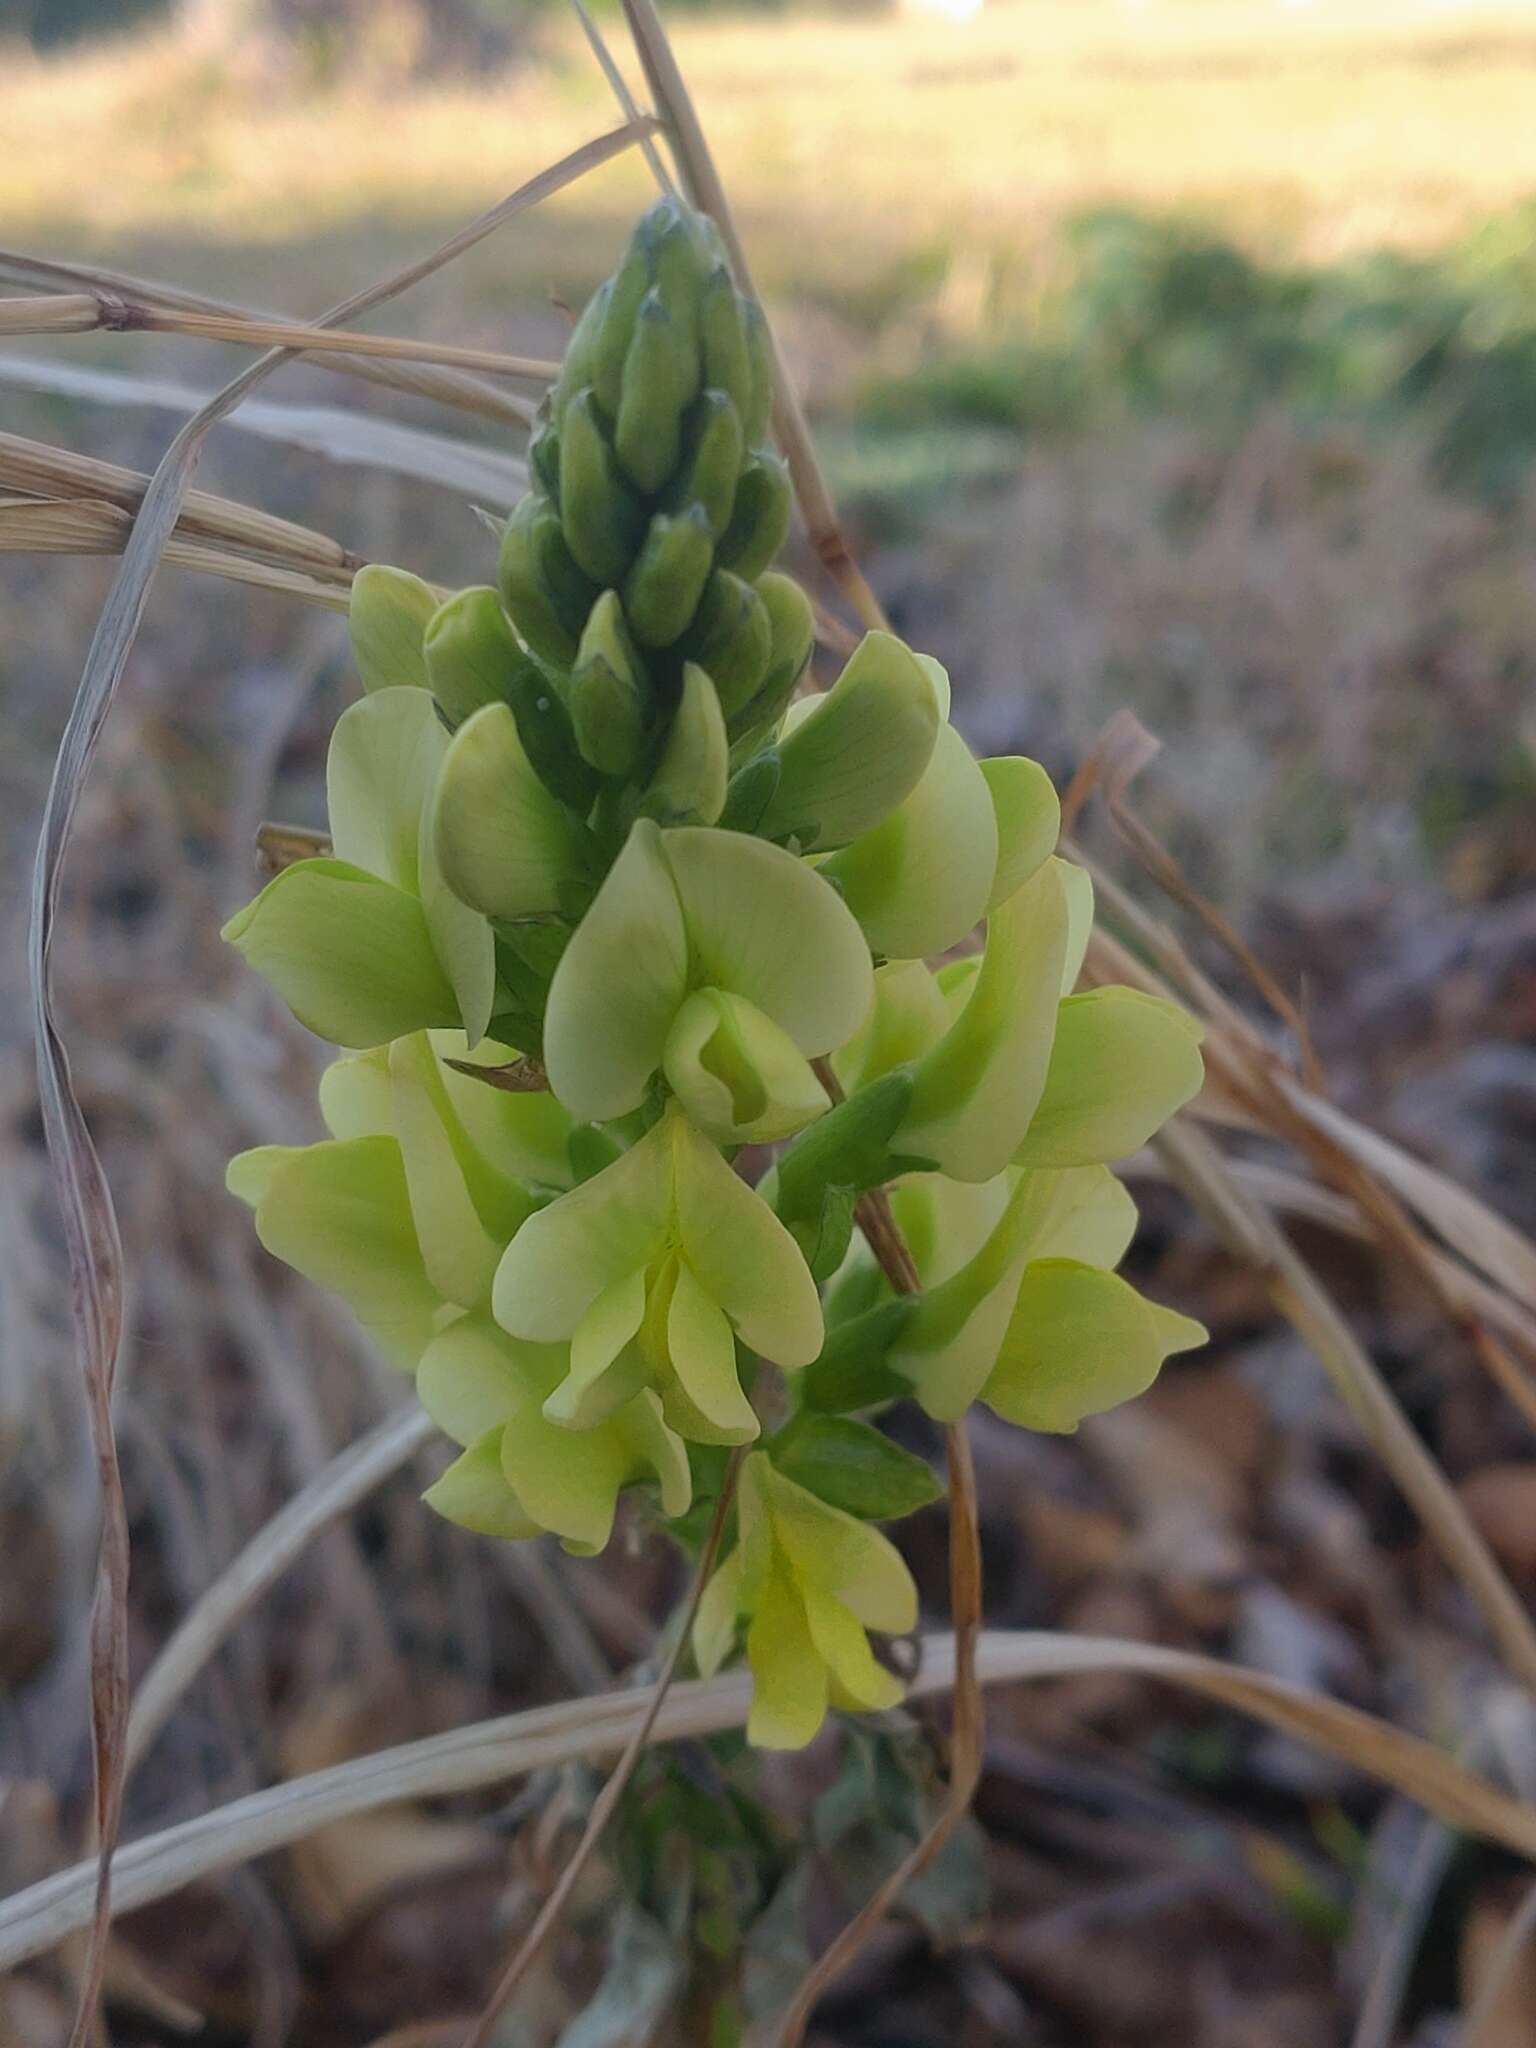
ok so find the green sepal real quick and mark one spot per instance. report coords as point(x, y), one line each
point(471, 653)
point(387, 617)
point(853, 1370)
point(732, 637)
point(750, 791)
point(667, 577)
point(549, 740)
point(853, 1466)
point(544, 591)
point(847, 1148)
point(591, 1148)
point(824, 1239)
point(759, 523)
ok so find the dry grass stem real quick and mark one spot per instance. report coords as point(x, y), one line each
point(422, 380)
point(37, 470)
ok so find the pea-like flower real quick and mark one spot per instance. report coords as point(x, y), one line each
point(810, 1581)
point(519, 1472)
point(370, 944)
point(696, 910)
point(651, 1271)
point(1021, 1306)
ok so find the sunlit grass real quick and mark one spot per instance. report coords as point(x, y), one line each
point(857, 148)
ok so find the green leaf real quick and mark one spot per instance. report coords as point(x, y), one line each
point(853, 1466)
point(642, 1979)
point(853, 1370)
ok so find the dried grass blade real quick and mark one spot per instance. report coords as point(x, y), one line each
point(345, 1481)
point(90, 1224)
point(75, 526)
point(1253, 1235)
point(123, 318)
point(447, 387)
point(38, 470)
point(58, 313)
point(356, 438)
point(490, 1752)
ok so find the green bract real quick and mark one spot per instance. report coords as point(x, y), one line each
point(607, 902)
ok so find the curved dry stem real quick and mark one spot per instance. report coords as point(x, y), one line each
point(490, 1752)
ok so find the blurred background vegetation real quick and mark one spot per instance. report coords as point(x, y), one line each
point(1172, 354)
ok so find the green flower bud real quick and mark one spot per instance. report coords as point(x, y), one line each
point(544, 453)
point(724, 356)
point(504, 844)
point(549, 741)
point(609, 694)
point(388, 615)
point(545, 593)
point(599, 513)
point(663, 588)
point(660, 383)
point(688, 787)
point(792, 631)
point(732, 637)
point(856, 752)
point(759, 521)
point(708, 471)
point(471, 654)
point(755, 413)
point(579, 367)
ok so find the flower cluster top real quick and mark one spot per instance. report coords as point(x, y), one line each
point(608, 902)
